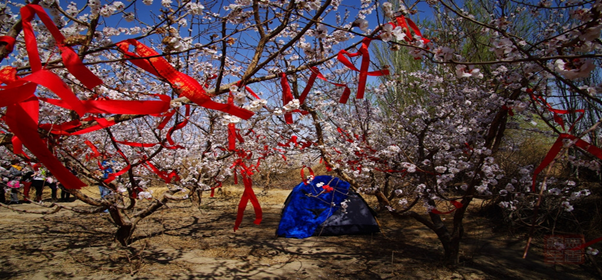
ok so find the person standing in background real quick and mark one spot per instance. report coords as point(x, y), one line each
point(107, 170)
point(65, 194)
point(51, 182)
point(4, 174)
point(39, 178)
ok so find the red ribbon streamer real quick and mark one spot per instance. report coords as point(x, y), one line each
point(165, 120)
point(587, 244)
point(134, 107)
point(22, 119)
point(311, 173)
point(112, 176)
point(10, 43)
point(365, 64)
point(558, 112)
point(219, 185)
point(404, 22)
point(248, 195)
point(178, 126)
point(551, 155)
point(70, 57)
point(184, 84)
point(456, 204)
point(287, 96)
point(94, 149)
point(167, 177)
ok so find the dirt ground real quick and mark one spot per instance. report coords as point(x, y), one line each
point(189, 242)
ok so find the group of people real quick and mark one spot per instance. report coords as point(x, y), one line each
point(17, 179)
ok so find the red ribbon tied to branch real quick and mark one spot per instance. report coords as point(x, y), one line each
point(558, 112)
point(151, 61)
point(311, 174)
point(407, 24)
point(10, 43)
point(556, 149)
point(456, 204)
point(22, 112)
point(365, 65)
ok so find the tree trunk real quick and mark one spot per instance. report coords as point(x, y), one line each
point(449, 240)
point(125, 227)
point(451, 248)
point(124, 234)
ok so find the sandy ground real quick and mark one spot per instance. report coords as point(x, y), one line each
point(190, 242)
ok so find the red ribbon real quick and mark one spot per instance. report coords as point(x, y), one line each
point(311, 173)
point(248, 195)
point(401, 21)
point(167, 177)
point(101, 123)
point(17, 146)
point(95, 152)
point(22, 119)
point(558, 112)
point(456, 204)
point(136, 144)
point(551, 155)
point(219, 185)
point(292, 140)
point(70, 57)
point(134, 107)
point(178, 126)
point(10, 43)
point(153, 63)
point(587, 244)
point(365, 53)
point(112, 176)
point(287, 96)
point(165, 120)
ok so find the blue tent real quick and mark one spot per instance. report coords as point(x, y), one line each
point(315, 209)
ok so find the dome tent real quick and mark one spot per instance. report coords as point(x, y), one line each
point(325, 206)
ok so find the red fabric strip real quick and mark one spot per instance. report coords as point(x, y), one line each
point(70, 58)
point(346, 91)
point(22, 119)
point(167, 118)
point(287, 96)
point(219, 185)
point(101, 123)
point(311, 173)
point(112, 176)
point(551, 155)
point(9, 41)
point(292, 140)
point(231, 137)
point(134, 107)
point(365, 64)
point(16, 92)
point(17, 145)
point(178, 126)
point(55, 84)
point(167, 177)
point(587, 244)
point(456, 204)
point(136, 144)
point(184, 84)
point(61, 129)
point(309, 85)
point(248, 194)
point(93, 148)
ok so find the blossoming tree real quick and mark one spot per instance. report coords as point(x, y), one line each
point(193, 93)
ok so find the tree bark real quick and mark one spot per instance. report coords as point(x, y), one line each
point(124, 234)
